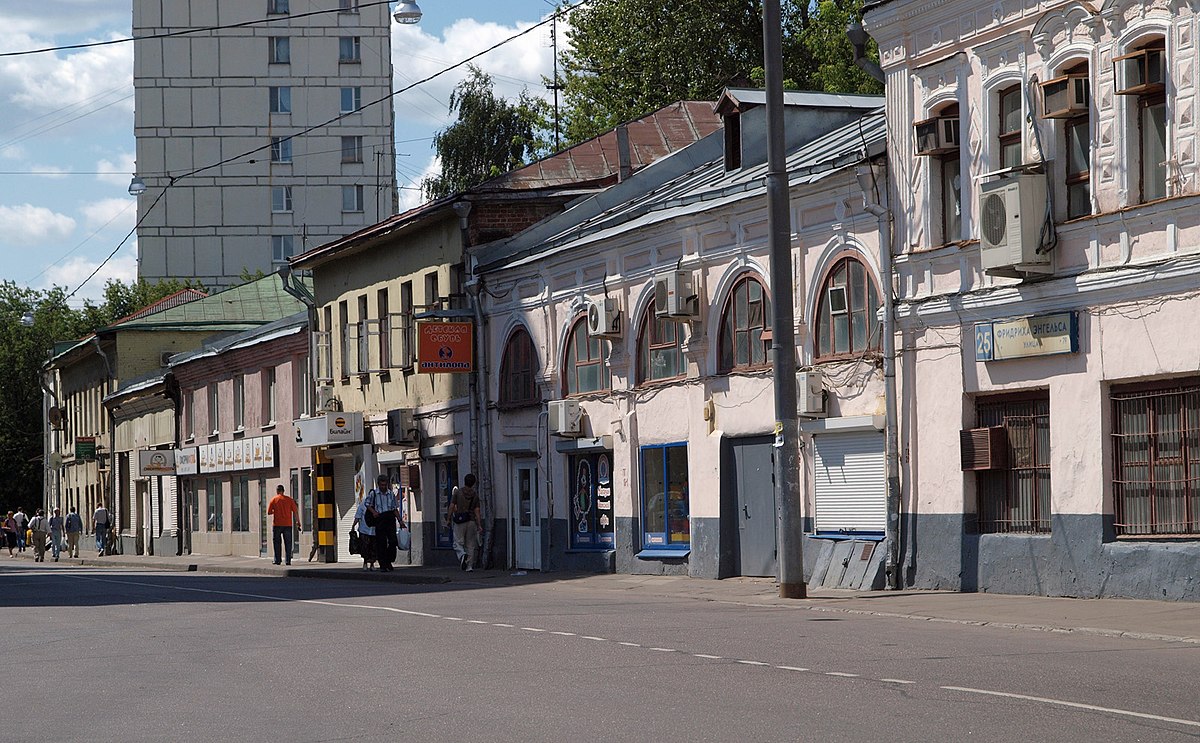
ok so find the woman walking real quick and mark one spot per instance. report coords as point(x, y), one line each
point(366, 535)
point(9, 529)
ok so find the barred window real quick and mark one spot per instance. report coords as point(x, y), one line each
point(1156, 459)
point(1017, 499)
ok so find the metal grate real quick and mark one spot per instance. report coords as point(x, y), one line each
point(1156, 455)
point(1016, 499)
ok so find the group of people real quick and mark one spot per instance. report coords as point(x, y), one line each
point(52, 532)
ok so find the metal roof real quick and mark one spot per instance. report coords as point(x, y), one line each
point(240, 307)
point(264, 333)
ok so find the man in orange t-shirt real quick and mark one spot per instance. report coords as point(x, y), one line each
point(286, 514)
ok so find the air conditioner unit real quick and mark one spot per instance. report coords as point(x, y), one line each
point(810, 393)
point(566, 418)
point(604, 318)
point(1012, 212)
point(402, 427)
point(675, 296)
point(326, 401)
point(984, 448)
point(1065, 97)
point(937, 136)
point(1140, 72)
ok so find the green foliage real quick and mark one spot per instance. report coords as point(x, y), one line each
point(628, 58)
point(23, 351)
point(490, 137)
point(247, 275)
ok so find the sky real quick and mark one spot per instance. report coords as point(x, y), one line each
point(66, 122)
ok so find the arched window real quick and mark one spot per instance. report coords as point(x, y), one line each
point(742, 325)
point(584, 368)
point(847, 315)
point(518, 370)
point(660, 355)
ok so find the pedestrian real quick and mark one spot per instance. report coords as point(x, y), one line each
point(286, 517)
point(101, 523)
point(366, 535)
point(22, 525)
point(39, 526)
point(56, 534)
point(383, 509)
point(74, 530)
point(465, 520)
point(9, 529)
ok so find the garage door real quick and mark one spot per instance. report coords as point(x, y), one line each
point(849, 487)
point(344, 469)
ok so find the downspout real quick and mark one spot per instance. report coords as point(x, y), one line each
point(111, 501)
point(173, 394)
point(306, 298)
point(869, 185)
point(50, 483)
point(858, 39)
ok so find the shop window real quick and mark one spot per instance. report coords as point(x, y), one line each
point(1008, 134)
point(592, 519)
point(665, 511)
point(216, 512)
point(239, 505)
point(1016, 498)
point(743, 324)
point(446, 472)
point(660, 354)
point(585, 369)
point(847, 312)
point(518, 371)
point(1156, 459)
point(193, 503)
point(302, 491)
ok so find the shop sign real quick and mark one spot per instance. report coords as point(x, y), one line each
point(444, 347)
point(329, 429)
point(1041, 335)
point(155, 462)
point(187, 461)
point(85, 448)
point(256, 453)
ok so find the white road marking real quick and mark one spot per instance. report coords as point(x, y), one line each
point(476, 621)
point(1075, 705)
point(501, 624)
point(707, 657)
point(563, 634)
point(753, 662)
point(791, 668)
point(629, 644)
point(532, 629)
point(897, 681)
point(841, 674)
point(663, 650)
point(453, 619)
point(590, 637)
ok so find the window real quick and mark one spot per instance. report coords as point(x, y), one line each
point(1008, 134)
point(281, 199)
point(400, 327)
point(665, 522)
point(268, 396)
point(1141, 74)
point(301, 480)
point(946, 177)
point(352, 198)
point(239, 506)
point(352, 149)
point(349, 49)
point(193, 503)
point(742, 325)
point(382, 331)
point(1077, 147)
point(433, 294)
point(847, 312)
point(281, 149)
point(278, 7)
point(348, 6)
point(344, 324)
point(732, 125)
point(189, 414)
point(1017, 499)
point(214, 410)
point(446, 471)
point(590, 483)
point(216, 512)
point(281, 49)
point(323, 346)
point(1156, 459)
point(362, 332)
point(281, 99)
point(1152, 146)
point(518, 371)
point(282, 248)
point(660, 355)
point(584, 369)
point(302, 379)
point(351, 100)
point(239, 403)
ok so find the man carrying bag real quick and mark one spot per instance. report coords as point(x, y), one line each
point(383, 513)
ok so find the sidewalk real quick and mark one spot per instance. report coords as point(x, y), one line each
point(1147, 620)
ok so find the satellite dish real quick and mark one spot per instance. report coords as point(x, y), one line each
point(55, 460)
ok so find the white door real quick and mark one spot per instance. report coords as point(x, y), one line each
point(850, 489)
point(528, 537)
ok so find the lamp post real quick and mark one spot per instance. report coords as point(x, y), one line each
point(407, 12)
point(137, 186)
point(783, 330)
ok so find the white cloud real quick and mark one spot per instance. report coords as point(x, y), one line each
point(122, 168)
point(26, 224)
point(122, 266)
point(116, 213)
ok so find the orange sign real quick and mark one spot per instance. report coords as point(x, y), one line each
point(444, 347)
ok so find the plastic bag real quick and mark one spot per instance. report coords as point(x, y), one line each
point(403, 539)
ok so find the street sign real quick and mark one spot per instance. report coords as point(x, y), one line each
point(85, 448)
point(1039, 335)
point(445, 347)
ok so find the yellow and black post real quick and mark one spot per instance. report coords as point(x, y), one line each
point(326, 524)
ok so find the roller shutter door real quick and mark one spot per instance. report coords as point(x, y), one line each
point(849, 484)
point(344, 503)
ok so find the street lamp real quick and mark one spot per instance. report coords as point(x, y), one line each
point(407, 12)
point(27, 319)
point(137, 186)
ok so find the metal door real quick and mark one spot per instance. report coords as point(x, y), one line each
point(757, 518)
point(850, 487)
point(528, 537)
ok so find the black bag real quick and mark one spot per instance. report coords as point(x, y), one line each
point(355, 546)
point(462, 518)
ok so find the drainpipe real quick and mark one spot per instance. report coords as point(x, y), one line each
point(869, 185)
point(50, 482)
point(181, 514)
point(306, 298)
point(858, 39)
point(110, 501)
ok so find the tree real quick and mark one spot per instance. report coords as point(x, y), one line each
point(491, 136)
point(628, 58)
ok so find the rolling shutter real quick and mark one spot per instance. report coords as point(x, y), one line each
point(170, 524)
point(344, 503)
point(849, 483)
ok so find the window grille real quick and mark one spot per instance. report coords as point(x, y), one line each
point(1017, 498)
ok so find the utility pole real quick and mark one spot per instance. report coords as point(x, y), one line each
point(783, 332)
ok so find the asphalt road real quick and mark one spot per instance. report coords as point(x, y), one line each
point(124, 655)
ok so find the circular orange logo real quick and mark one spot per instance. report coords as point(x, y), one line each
point(339, 422)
